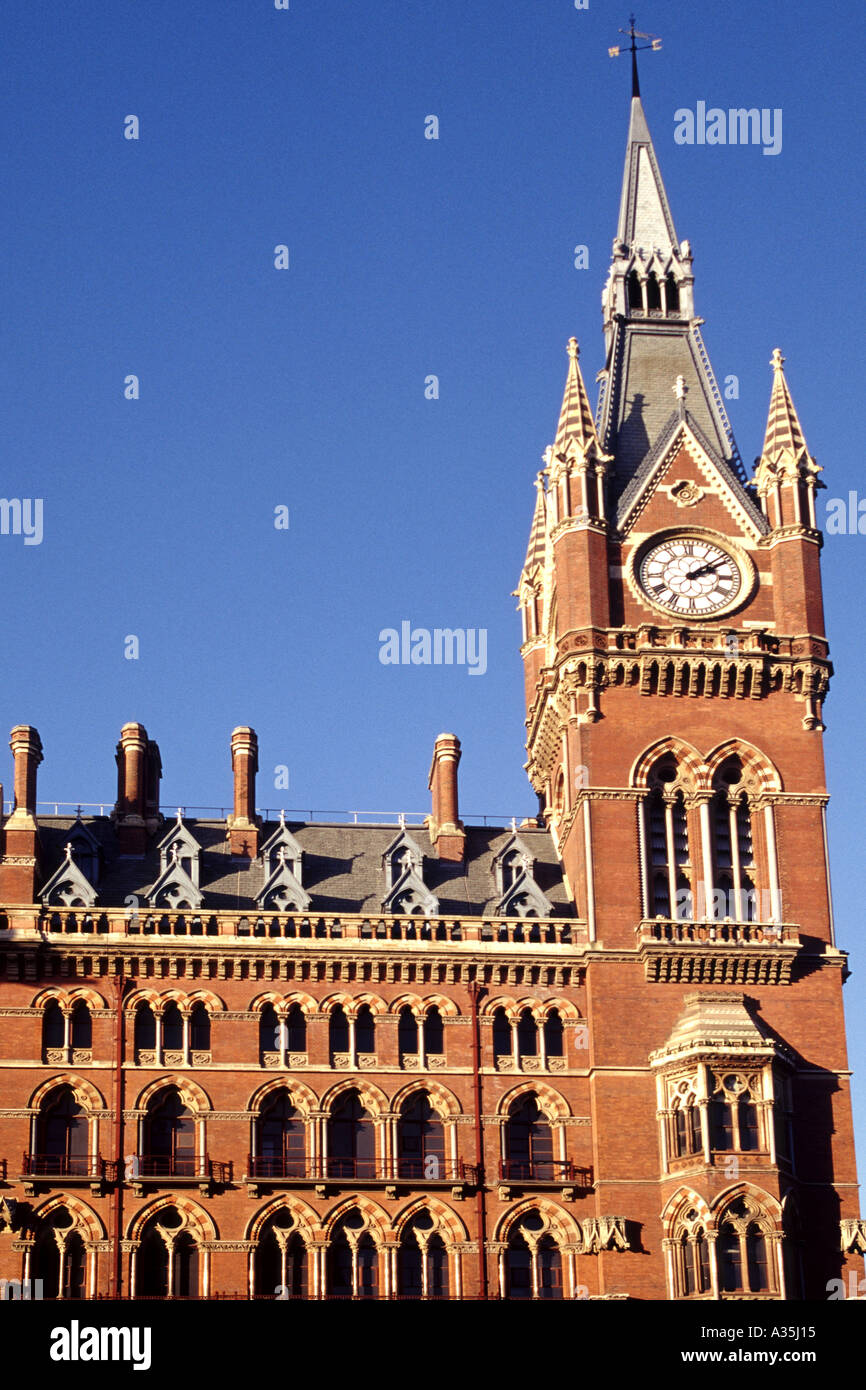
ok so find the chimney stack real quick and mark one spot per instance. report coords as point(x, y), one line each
point(446, 828)
point(243, 830)
point(131, 790)
point(19, 865)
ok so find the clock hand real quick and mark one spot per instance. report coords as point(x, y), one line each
point(703, 569)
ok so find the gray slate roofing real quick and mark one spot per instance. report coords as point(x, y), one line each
point(342, 866)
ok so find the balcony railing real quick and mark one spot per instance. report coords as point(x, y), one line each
point(65, 1166)
point(300, 928)
point(419, 1170)
point(545, 1170)
point(717, 951)
point(195, 1166)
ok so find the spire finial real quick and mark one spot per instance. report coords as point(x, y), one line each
point(632, 34)
point(573, 349)
point(680, 388)
point(777, 361)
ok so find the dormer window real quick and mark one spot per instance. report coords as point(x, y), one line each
point(519, 894)
point(177, 887)
point(68, 886)
point(406, 893)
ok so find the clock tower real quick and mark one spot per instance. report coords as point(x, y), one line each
point(676, 669)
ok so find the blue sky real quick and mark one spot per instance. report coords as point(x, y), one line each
point(305, 387)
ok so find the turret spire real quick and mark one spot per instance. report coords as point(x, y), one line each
point(575, 418)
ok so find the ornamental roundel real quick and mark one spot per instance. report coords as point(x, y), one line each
point(692, 574)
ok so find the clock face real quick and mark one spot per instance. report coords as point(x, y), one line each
point(690, 576)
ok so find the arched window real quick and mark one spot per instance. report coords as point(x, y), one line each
point(61, 1136)
point(168, 1259)
point(172, 1028)
point(742, 1250)
point(53, 1029)
point(365, 1030)
point(338, 1030)
point(280, 1139)
point(434, 1033)
point(635, 296)
point(407, 1033)
point(296, 1029)
point(269, 1030)
point(199, 1028)
point(351, 1139)
point(81, 1027)
point(694, 1262)
point(528, 1142)
point(672, 293)
point(501, 1034)
point(734, 1119)
point(169, 1137)
point(533, 1262)
point(527, 1035)
point(687, 1135)
point(667, 845)
point(280, 1261)
point(511, 867)
point(422, 1260)
point(553, 1034)
point(353, 1260)
point(145, 1029)
point(58, 1258)
point(733, 851)
point(653, 292)
point(420, 1140)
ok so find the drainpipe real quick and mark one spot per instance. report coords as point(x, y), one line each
point(116, 1269)
point(476, 989)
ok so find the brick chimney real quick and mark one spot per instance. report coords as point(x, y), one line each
point(243, 830)
point(446, 828)
point(20, 861)
point(131, 758)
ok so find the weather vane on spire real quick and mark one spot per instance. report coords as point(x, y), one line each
point(632, 33)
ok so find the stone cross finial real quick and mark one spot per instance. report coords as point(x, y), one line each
point(573, 349)
point(777, 361)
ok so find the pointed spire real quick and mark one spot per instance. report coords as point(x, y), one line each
point(536, 547)
point(645, 218)
point(784, 439)
point(575, 418)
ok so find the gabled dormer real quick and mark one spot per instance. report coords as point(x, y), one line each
point(68, 886)
point(405, 889)
point(177, 886)
point(86, 851)
point(283, 891)
point(180, 847)
point(282, 840)
point(519, 894)
point(402, 854)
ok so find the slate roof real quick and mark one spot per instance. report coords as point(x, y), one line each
point(342, 866)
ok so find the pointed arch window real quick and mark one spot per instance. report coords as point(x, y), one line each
point(667, 849)
point(733, 848)
point(81, 1027)
point(280, 1261)
point(62, 1136)
point(144, 1031)
point(365, 1030)
point(53, 1025)
point(420, 1140)
point(59, 1258)
point(694, 1260)
point(353, 1260)
point(553, 1034)
point(527, 1035)
point(407, 1034)
point(501, 1034)
point(422, 1260)
point(280, 1139)
point(269, 1030)
point(735, 1120)
point(672, 294)
point(199, 1028)
point(167, 1264)
point(296, 1029)
point(687, 1132)
point(169, 1137)
point(434, 1033)
point(744, 1265)
point(351, 1139)
point(338, 1030)
point(528, 1142)
point(635, 293)
point(532, 1262)
point(653, 292)
point(172, 1028)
